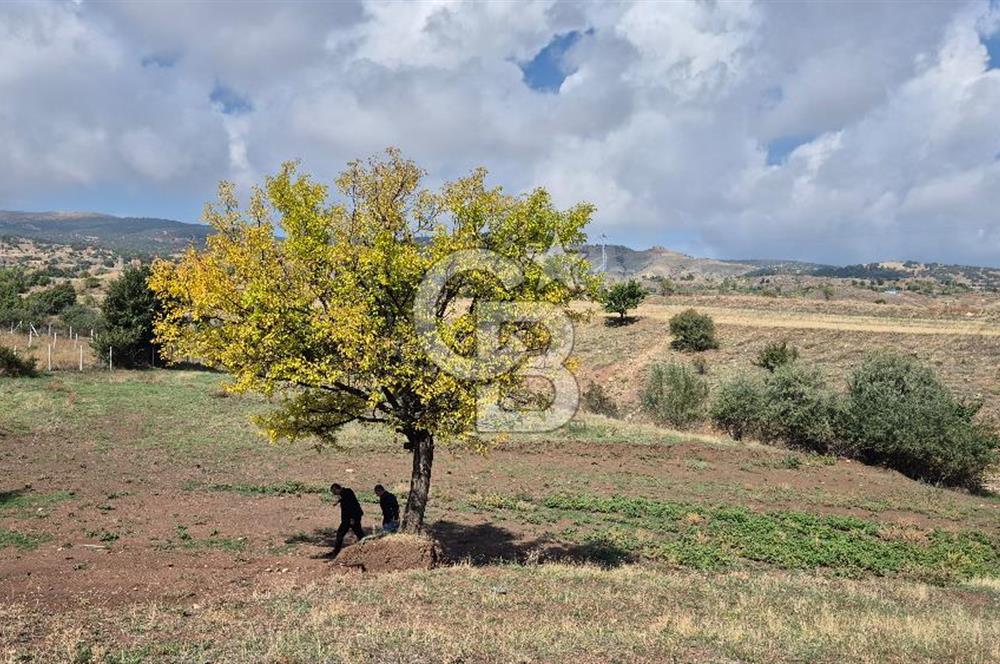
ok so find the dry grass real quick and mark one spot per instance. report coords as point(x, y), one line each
point(548, 613)
point(965, 353)
point(66, 354)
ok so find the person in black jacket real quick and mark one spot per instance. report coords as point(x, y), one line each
point(390, 509)
point(350, 515)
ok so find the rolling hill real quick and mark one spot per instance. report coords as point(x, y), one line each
point(148, 235)
point(123, 234)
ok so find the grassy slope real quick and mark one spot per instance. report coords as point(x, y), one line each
point(753, 537)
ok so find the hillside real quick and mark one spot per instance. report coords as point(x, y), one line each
point(656, 262)
point(149, 235)
point(123, 234)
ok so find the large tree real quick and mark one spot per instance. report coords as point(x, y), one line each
point(322, 319)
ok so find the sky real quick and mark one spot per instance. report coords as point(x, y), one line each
point(832, 132)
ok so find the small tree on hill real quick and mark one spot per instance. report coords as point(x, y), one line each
point(128, 313)
point(324, 319)
point(623, 297)
point(693, 331)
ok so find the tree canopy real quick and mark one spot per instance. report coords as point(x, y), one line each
point(623, 297)
point(322, 318)
point(127, 315)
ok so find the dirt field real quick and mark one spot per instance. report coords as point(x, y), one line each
point(141, 509)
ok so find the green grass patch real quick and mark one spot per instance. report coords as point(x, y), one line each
point(287, 488)
point(23, 504)
point(719, 537)
point(186, 541)
point(21, 541)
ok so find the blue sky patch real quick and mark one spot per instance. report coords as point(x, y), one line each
point(546, 71)
point(992, 45)
point(779, 149)
point(232, 102)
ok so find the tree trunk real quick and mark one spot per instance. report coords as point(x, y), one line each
point(422, 443)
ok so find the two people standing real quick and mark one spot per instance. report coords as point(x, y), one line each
point(351, 513)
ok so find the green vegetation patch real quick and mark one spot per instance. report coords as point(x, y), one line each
point(22, 504)
point(714, 537)
point(22, 541)
point(185, 540)
point(287, 488)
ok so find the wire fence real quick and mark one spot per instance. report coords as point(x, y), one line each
point(54, 349)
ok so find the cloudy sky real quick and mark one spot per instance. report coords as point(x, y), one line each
point(840, 132)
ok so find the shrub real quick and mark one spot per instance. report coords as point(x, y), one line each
point(596, 400)
point(666, 286)
point(775, 355)
point(13, 366)
point(693, 331)
point(738, 406)
point(898, 414)
point(128, 312)
point(624, 296)
point(81, 318)
point(51, 301)
point(799, 409)
point(675, 394)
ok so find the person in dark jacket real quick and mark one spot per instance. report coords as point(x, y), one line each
point(390, 509)
point(350, 515)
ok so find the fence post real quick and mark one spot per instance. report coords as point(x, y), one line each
point(50, 358)
point(81, 358)
point(111, 365)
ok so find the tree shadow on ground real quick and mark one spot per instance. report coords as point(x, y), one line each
point(487, 543)
point(484, 544)
point(617, 321)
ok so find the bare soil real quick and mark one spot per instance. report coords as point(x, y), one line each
point(143, 525)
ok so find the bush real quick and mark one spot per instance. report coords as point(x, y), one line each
point(675, 394)
point(596, 400)
point(81, 318)
point(128, 313)
point(775, 355)
point(50, 301)
point(693, 331)
point(799, 409)
point(898, 414)
point(624, 296)
point(738, 406)
point(13, 366)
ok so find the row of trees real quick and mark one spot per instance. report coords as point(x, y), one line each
point(895, 412)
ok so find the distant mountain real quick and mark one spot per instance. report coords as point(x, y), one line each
point(141, 235)
point(619, 261)
point(123, 234)
point(622, 263)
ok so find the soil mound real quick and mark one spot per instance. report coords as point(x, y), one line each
point(392, 553)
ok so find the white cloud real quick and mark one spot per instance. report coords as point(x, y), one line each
point(664, 124)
